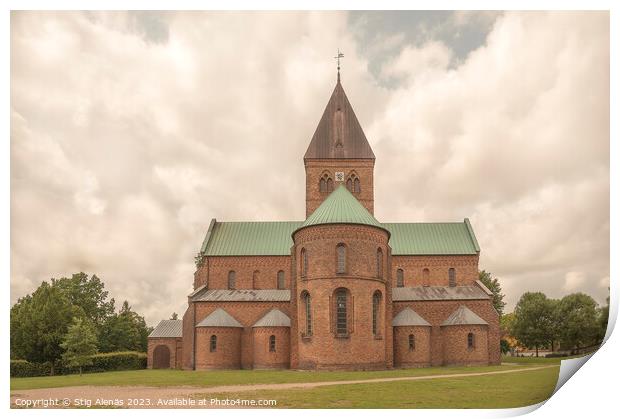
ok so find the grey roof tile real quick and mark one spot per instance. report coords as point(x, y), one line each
point(243, 295)
point(462, 292)
point(275, 318)
point(168, 329)
point(219, 318)
point(408, 317)
point(463, 316)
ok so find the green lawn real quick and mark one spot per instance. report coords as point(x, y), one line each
point(495, 391)
point(231, 377)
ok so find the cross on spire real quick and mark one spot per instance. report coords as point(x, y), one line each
point(338, 57)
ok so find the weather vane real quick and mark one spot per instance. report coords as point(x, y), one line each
point(338, 57)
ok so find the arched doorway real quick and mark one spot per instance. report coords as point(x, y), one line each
point(161, 357)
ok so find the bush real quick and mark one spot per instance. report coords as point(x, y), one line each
point(113, 361)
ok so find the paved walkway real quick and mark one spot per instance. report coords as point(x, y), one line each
point(162, 397)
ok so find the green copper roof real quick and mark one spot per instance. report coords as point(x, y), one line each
point(274, 238)
point(341, 207)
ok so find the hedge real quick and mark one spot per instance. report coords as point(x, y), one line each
point(113, 361)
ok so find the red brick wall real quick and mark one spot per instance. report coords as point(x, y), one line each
point(435, 312)
point(246, 313)
point(466, 267)
point(420, 356)
point(360, 349)
point(228, 351)
point(455, 348)
point(251, 272)
point(263, 358)
point(316, 168)
point(175, 346)
point(188, 338)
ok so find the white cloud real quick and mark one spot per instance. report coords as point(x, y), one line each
point(130, 132)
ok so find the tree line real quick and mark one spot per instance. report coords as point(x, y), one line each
point(67, 319)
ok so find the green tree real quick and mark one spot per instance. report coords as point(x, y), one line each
point(578, 317)
point(88, 294)
point(174, 316)
point(80, 344)
point(493, 285)
point(124, 331)
point(39, 323)
point(603, 319)
point(533, 320)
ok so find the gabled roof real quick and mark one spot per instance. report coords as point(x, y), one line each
point(339, 134)
point(275, 318)
point(273, 238)
point(408, 317)
point(168, 329)
point(243, 295)
point(341, 207)
point(219, 318)
point(463, 316)
point(434, 293)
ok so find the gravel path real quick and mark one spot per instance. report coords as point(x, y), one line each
point(180, 397)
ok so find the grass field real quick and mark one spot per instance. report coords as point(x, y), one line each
point(504, 390)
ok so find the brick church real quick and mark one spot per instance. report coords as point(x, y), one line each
point(338, 290)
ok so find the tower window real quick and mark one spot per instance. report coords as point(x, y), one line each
point(400, 278)
point(305, 296)
point(341, 312)
point(341, 255)
point(330, 185)
point(376, 304)
point(213, 343)
point(353, 183)
point(281, 284)
point(304, 263)
point(411, 342)
point(470, 341)
point(350, 184)
point(356, 186)
point(379, 263)
point(231, 280)
point(326, 184)
point(272, 343)
point(452, 277)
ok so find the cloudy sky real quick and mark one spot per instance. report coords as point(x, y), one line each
point(130, 131)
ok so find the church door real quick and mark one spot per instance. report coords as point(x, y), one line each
point(161, 357)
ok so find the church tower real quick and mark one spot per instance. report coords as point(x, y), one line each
point(339, 153)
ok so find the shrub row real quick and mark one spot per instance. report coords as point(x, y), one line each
point(113, 361)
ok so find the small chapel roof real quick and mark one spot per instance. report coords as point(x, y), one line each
point(339, 134)
point(219, 318)
point(168, 329)
point(463, 316)
point(275, 318)
point(438, 293)
point(341, 207)
point(408, 317)
point(272, 295)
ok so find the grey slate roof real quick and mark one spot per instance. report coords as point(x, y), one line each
point(219, 318)
point(275, 318)
point(168, 329)
point(408, 317)
point(461, 292)
point(463, 316)
point(243, 295)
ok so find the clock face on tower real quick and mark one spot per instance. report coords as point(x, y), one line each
point(339, 176)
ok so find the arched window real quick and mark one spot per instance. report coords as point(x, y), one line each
point(341, 256)
point(379, 263)
point(353, 183)
point(231, 280)
point(213, 343)
point(356, 186)
point(330, 185)
point(272, 343)
point(411, 342)
point(281, 284)
point(470, 341)
point(255, 279)
point(305, 297)
point(426, 277)
point(400, 278)
point(350, 185)
point(376, 304)
point(341, 312)
point(452, 277)
point(323, 185)
point(304, 263)
point(326, 184)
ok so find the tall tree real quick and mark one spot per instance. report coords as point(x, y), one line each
point(89, 294)
point(577, 314)
point(603, 319)
point(533, 321)
point(493, 285)
point(39, 323)
point(125, 331)
point(174, 316)
point(80, 344)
